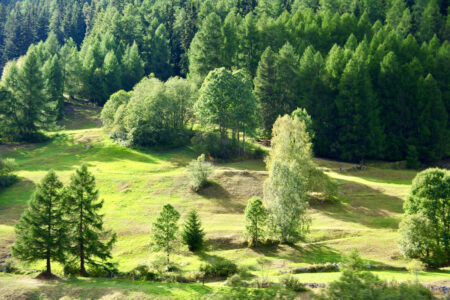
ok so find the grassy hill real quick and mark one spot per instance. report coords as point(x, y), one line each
point(135, 184)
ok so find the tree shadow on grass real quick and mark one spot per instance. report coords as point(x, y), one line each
point(366, 206)
point(221, 198)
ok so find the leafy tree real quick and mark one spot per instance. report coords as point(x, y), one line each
point(255, 215)
point(193, 234)
point(42, 231)
point(165, 229)
point(425, 227)
point(110, 108)
point(286, 187)
point(88, 238)
point(199, 171)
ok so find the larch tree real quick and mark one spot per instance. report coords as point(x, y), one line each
point(164, 232)
point(88, 237)
point(42, 229)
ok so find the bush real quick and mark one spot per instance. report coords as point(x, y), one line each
point(291, 283)
point(234, 280)
point(7, 166)
point(209, 143)
point(142, 272)
point(317, 268)
point(219, 269)
point(102, 270)
point(199, 170)
point(412, 158)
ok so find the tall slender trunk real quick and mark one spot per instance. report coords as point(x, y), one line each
point(243, 141)
point(49, 233)
point(82, 267)
point(238, 140)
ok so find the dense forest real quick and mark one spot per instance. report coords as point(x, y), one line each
point(373, 74)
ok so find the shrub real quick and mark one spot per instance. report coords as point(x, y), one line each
point(317, 268)
point(209, 143)
point(234, 280)
point(220, 268)
point(291, 283)
point(102, 270)
point(412, 158)
point(199, 170)
point(7, 166)
point(142, 272)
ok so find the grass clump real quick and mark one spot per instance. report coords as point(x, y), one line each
point(289, 282)
point(199, 171)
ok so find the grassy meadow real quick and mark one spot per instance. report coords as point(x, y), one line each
point(135, 184)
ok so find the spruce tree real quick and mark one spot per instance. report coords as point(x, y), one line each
point(42, 231)
point(88, 238)
point(133, 67)
point(193, 234)
point(160, 53)
point(111, 75)
point(165, 229)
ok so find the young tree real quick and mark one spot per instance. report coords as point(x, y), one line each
point(285, 189)
point(425, 228)
point(165, 229)
point(199, 171)
point(42, 231)
point(255, 215)
point(88, 238)
point(193, 235)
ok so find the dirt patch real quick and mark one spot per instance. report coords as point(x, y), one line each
point(226, 242)
point(91, 136)
point(239, 184)
point(124, 186)
point(47, 276)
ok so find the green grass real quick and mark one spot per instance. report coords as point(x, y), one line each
point(135, 184)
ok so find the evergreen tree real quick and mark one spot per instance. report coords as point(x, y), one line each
point(54, 83)
point(111, 71)
point(88, 238)
point(193, 234)
point(205, 51)
point(164, 230)
point(160, 54)
point(255, 215)
point(133, 67)
point(265, 89)
point(249, 45)
point(41, 232)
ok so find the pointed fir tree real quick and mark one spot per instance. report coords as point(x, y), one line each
point(133, 67)
point(42, 231)
point(164, 233)
point(54, 83)
point(256, 216)
point(265, 89)
point(88, 238)
point(160, 53)
point(193, 234)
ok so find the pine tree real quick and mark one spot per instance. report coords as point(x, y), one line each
point(133, 67)
point(160, 54)
point(38, 111)
point(265, 89)
point(164, 230)
point(111, 75)
point(41, 232)
point(88, 238)
point(193, 234)
point(54, 83)
point(205, 51)
point(255, 215)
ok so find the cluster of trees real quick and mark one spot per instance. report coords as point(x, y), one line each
point(153, 113)
point(31, 92)
point(64, 224)
point(372, 74)
point(425, 227)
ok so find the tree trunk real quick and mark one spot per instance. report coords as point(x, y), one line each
point(82, 267)
point(238, 140)
point(49, 232)
point(243, 142)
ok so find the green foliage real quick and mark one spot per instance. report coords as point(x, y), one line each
point(199, 171)
point(255, 215)
point(154, 113)
point(7, 167)
point(424, 230)
point(291, 283)
point(226, 101)
point(193, 235)
point(164, 231)
point(412, 158)
point(219, 268)
point(88, 238)
point(42, 229)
